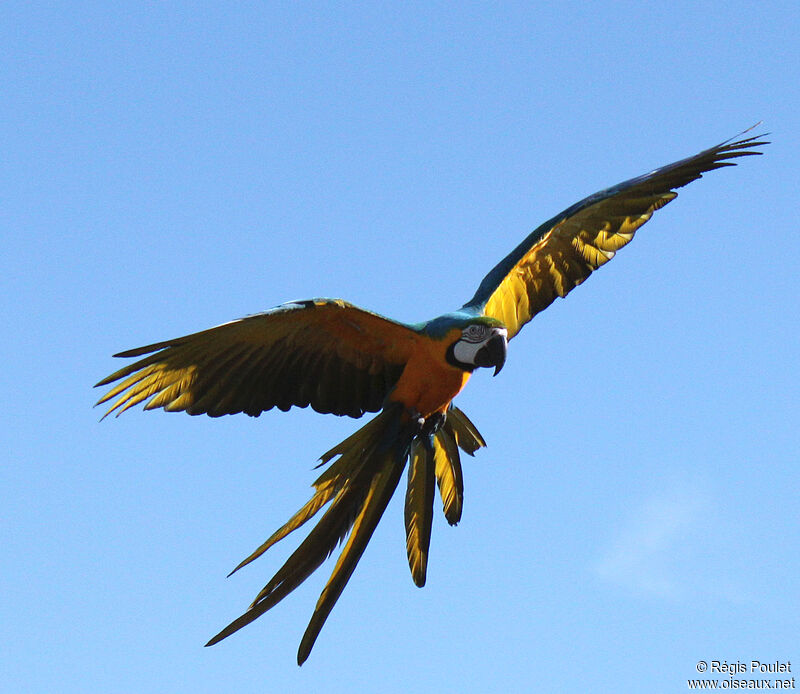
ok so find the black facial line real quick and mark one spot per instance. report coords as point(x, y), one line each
point(475, 339)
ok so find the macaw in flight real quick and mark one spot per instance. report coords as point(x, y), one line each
point(344, 360)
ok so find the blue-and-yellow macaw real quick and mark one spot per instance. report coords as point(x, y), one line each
point(343, 360)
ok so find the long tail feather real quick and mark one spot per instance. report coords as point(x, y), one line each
point(322, 497)
point(419, 508)
point(380, 492)
point(358, 485)
point(458, 432)
point(317, 547)
point(447, 467)
point(465, 433)
point(328, 484)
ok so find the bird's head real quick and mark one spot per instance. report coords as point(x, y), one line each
point(483, 342)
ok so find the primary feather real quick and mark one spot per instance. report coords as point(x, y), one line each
point(297, 354)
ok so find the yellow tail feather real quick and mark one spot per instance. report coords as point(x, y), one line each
point(358, 486)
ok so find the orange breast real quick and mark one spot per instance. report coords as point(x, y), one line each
point(429, 383)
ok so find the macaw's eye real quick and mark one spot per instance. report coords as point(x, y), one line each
point(475, 333)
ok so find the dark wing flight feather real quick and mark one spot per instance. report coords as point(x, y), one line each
point(325, 353)
point(563, 252)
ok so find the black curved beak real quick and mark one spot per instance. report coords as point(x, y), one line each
point(493, 353)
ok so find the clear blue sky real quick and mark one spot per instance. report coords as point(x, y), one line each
point(166, 167)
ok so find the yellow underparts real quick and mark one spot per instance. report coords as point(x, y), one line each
point(428, 383)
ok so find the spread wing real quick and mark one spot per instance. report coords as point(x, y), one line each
point(326, 353)
point(561, 253)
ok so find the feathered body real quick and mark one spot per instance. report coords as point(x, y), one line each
point(340, 359)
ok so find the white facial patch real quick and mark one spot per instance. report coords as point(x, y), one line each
point(465, 352)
